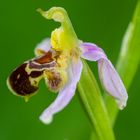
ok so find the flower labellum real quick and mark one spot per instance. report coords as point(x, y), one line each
point(58, 61)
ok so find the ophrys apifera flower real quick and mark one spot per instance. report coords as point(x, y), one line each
point(59, 61)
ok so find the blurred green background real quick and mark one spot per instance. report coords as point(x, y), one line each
point(21, 28)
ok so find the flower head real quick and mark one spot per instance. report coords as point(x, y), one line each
point(58, 61)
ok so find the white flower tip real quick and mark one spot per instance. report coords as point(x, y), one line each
point(122, 103)
point(46, 119)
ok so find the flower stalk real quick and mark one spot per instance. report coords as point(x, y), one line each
point(93, 102)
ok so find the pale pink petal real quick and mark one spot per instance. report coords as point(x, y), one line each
point(108, 75)
point(43, 47)
point(65, 94)
point(91, 52)
point(112, 82)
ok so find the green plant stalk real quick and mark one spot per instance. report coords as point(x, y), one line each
point(129, 59)
point(127, 63)
point(94, 104)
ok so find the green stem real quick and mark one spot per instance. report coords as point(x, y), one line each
point(93, 102)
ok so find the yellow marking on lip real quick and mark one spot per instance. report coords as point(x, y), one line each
point(18, 76)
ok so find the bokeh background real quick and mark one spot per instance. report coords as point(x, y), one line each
point(21, 28)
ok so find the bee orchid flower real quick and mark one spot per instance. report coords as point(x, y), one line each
point(59, 61)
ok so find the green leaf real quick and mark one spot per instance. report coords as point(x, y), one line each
point(128, 62)
point(129, 59)
point(94, 104)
